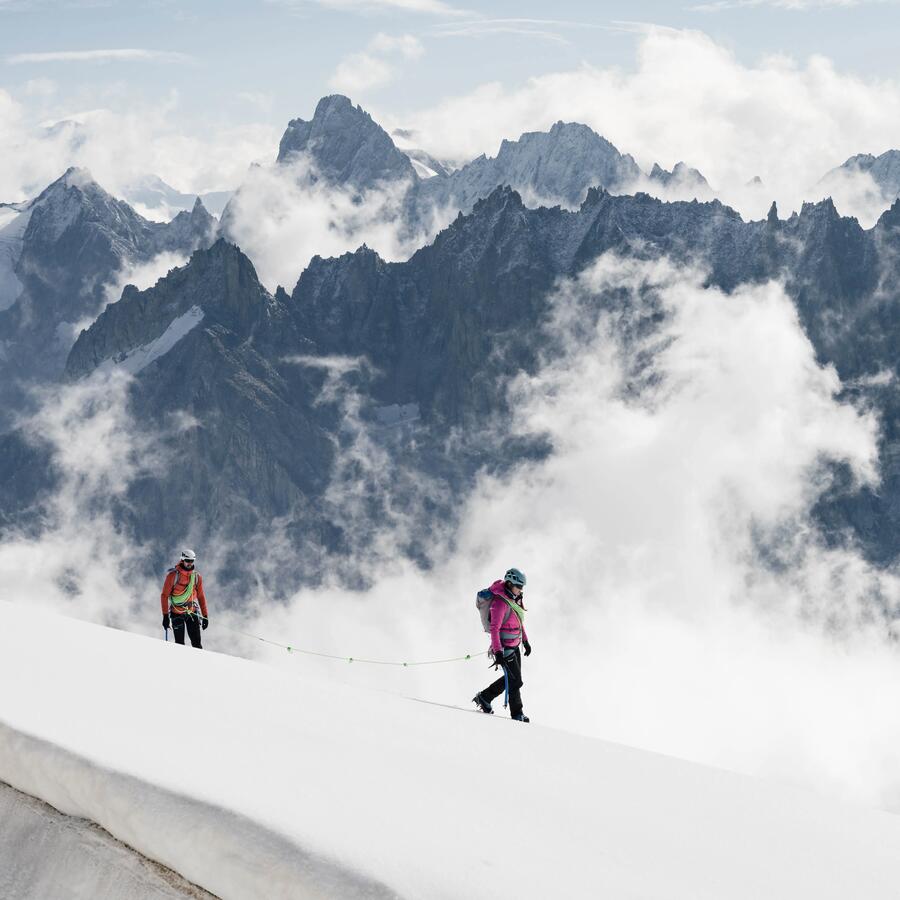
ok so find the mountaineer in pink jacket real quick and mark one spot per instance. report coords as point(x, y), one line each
point(507, 634)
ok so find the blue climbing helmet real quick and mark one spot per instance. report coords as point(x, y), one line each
point(515, 577)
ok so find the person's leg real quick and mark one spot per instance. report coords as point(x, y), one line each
point(178, 629)
point(193, 627)
point(495, 690)
point(514, 671)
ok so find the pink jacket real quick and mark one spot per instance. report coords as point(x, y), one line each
point(506, 629)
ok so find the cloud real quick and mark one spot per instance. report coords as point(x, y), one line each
point(141, 275)
point(19, 5)
point(544, 29)
point(284, 215)
point(797, 5)
point(366, 71)
point(430, 7)
point(260, 100)
point(41, 87)
point(123, 55)
point(361, 72)
point(121, 147)
point(80, 563)
point(688, 98)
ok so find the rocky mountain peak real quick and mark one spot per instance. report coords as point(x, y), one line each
point(73, 179)
point(218, 283)
point(76, 177)
point(682, 175)
point(499, 200)
point(188, 230)
point(820, 211)
point(545, 167)
point(890, 218)
point(75, 196)
point(594, 196)
point(346, 145)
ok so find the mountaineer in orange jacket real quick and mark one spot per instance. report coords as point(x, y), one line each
point(183, 601)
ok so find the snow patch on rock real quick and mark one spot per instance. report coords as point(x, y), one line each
point(140, 357)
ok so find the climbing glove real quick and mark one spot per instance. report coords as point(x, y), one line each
point(166, 621)
point(204, 622)
point(527, 648)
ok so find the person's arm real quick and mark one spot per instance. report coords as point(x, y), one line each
point(498, 610)
point(166, 592)
point(201, 596)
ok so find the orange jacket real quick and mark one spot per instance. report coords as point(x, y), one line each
point(176, 583)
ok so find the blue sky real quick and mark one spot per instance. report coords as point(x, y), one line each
point(269, 60)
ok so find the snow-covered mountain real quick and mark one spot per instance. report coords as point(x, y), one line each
point(273, 784)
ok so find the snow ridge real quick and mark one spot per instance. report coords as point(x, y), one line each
point(227, 854)
point(291, 787)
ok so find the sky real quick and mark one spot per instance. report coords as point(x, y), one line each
point(214, 69)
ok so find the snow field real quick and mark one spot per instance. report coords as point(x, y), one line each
point(254, 782)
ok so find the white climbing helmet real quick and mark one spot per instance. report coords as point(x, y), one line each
point(188, 556)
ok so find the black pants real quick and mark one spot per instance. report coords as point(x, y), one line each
point(513, 666)
point(193, 629)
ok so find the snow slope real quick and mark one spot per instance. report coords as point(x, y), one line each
point(252, 782)
point(44, 854)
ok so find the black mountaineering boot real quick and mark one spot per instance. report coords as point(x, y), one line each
point(482, 704)
point(522, 718)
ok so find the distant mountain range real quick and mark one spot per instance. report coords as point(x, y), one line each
point(209, 344)
point(346, 147)
point(250, 366)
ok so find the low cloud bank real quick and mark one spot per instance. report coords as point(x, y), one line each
point(119, 148)
point(285, 214)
